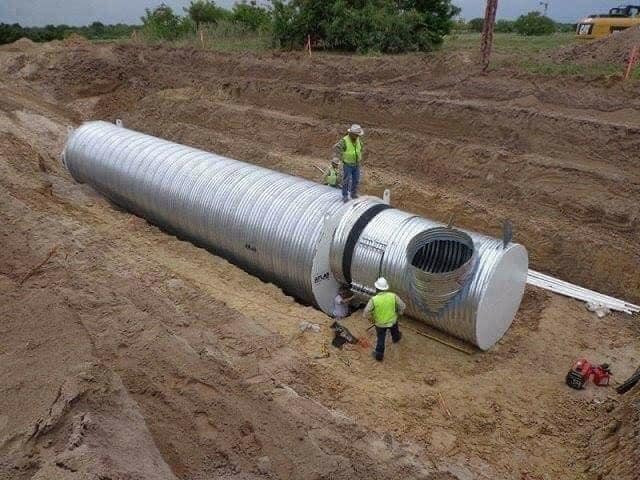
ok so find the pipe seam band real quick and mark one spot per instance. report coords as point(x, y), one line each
point(354, 235)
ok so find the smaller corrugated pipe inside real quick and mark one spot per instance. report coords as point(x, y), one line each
point(441, 261)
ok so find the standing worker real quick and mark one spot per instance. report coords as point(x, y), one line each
point(385, 307)
point(349, 149)
point(331, 175)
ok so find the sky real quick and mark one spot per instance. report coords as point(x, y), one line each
point(83, 12)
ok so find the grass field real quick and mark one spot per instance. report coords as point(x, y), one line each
point(510, 43)
point(511, 51)
point(528, 54)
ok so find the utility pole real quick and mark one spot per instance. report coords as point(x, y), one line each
point(487, 32)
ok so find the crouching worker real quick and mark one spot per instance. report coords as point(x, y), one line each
point(332, 176)
point(383, 309)
point(341, 304)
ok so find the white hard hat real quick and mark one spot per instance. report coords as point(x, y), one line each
point(381, 284)
point(335, 161)
point(356, 130)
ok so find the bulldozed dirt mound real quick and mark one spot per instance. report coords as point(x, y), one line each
point(20, 45)
point(612, 50)
point(76, 40)
point(117, 333)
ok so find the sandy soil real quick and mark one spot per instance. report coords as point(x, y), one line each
point(128, 353)
point(615, 49)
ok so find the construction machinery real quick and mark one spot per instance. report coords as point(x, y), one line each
point(583, 371)
point(602, 25)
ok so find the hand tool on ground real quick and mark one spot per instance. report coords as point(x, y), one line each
point(342, 336)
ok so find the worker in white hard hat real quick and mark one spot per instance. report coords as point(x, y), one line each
point(383, 310)
point(349, 150)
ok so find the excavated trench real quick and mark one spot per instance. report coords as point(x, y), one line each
point(578, 212)
point(565, 179)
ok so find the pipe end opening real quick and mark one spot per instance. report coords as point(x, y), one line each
point(441, 250)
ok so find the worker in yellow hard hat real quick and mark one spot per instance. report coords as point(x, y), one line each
point(383, 309)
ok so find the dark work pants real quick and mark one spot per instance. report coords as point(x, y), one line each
point(350, 180)
point(382, 335)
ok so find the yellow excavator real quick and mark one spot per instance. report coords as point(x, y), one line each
point(602, 25)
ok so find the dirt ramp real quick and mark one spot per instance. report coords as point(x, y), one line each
point(614, 49)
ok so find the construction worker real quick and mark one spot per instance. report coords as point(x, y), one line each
point(349, 150)
point(331, 175)
point(383, 309)
point(341, 304)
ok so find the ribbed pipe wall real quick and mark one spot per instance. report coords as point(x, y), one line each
point(267, 222)
point(475, 301)
point(299, 235)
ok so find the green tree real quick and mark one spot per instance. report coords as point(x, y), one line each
point(97, 29)
point(10, 33)
point(162, 24)
point(476, 24)
point(294, 20)
point(566, 27)
point(504, 26)
point(534, 23)
point(363, 25)
point(250, 15)
point(205, 11)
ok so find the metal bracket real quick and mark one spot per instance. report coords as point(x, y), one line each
point(358, 288)
point(507, 233)
point(450, 222)
point(386, 196)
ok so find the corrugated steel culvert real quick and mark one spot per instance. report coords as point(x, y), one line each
point(299, 235)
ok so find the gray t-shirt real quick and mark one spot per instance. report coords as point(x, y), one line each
point(340, 307)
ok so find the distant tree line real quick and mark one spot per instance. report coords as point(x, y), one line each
point(12, 32)
point(388, 26)
point(533, 23)
point(162, 23)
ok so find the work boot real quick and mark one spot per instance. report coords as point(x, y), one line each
point(354, 196)
point(396, 340)
point(345, 199)
point(377, 356)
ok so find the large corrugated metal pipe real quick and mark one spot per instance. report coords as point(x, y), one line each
point(299, 235)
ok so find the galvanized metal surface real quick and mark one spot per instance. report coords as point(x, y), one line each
point(267, 222)
point(475, 299)
point(349, 226)
point(300, 236)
